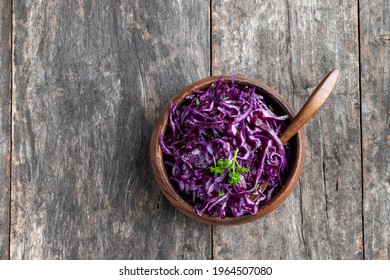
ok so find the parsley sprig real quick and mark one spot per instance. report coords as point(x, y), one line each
point(233, 167)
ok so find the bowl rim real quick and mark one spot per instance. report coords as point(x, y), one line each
point(167, 187)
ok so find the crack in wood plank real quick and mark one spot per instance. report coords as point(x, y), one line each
point(385, 37)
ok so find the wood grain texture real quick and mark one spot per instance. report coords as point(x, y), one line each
point(90, 79)
point(5, 140)
point(291, 45)
point(375, 89)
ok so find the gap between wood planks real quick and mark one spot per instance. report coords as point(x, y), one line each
point(11, 38)
point(211, 73)
point(361, 125)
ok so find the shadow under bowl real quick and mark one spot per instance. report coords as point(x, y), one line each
point(296, 160)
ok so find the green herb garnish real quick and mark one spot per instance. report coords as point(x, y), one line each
point(217, 169)
point(232, 166)
point(197, 102)
point(234, 178)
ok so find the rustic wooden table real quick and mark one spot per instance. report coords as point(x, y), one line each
point(82, 83)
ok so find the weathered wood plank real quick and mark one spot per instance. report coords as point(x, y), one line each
point(5, 143)
point(291, 45)
point(90, 79)
point(375, 90)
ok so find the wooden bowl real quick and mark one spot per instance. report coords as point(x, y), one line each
point(296, 160)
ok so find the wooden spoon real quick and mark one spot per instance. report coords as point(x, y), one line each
point(311, 107)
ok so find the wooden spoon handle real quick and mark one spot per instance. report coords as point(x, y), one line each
point(312, 105)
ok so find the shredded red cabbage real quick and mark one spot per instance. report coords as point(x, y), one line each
point(221, 146)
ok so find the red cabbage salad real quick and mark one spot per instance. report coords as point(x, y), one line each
point(222, 150)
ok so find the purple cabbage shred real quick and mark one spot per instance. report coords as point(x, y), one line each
point(230, 122)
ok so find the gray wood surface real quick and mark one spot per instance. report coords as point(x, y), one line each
point(90, 79)
point(291, 45)
point(375, 91)
point(5, 141)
